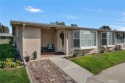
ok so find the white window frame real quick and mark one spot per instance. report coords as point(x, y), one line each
point(107, 39)
point(87, 47)
point(76, 38)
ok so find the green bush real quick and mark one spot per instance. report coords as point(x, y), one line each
point(11, 41)
point(19, 63)
point(8, 55)
point(75, 54)
point(7, 51)
point(8, 63)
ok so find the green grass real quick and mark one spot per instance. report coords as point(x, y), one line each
point(18, 75)
point(95, 63)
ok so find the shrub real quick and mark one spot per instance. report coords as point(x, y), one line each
point(19, 63)
point(102, 51)
point(8, 63)
point(7, 51)
point(75, 54)
point(11, 41)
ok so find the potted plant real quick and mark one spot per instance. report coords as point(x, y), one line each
point(27, 58)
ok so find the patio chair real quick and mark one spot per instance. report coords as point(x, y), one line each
point(43, 49)
point(50, 48)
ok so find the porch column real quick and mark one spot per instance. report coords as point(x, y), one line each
point(66, 44)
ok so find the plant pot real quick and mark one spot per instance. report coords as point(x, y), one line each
point(27, 58)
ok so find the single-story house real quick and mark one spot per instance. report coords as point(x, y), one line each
point(30, 37)
point(5, 37)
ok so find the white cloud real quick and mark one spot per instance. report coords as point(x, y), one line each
point(32, 9)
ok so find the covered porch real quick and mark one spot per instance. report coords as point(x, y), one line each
point(53, 41)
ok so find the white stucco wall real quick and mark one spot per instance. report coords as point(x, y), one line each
point(32, 41)
point(47, 37)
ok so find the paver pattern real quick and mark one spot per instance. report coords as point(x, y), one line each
point(45, 71)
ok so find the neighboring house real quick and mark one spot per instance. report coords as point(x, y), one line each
point(30, 37)
point(4, 37)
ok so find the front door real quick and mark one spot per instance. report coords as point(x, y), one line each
point(61, 41)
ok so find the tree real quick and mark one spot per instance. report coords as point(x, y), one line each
point(58, 23)
point(4, 29)
point(62, 23)
point(74, 25)
point(105, 27)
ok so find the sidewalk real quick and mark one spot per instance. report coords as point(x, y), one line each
point(79, 74)
point(115, 74)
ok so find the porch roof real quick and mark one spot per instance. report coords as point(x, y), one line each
point(16, 23)
point(6, 34)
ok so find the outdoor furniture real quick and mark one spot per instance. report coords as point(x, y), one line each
point(50, 48)
point(43, 49)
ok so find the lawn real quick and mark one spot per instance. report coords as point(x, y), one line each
point(95, 63)
point(11, 75)
point(18, 75)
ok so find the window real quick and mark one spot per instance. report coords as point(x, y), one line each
point(104, 38)
point(120, 38)
point(107, 38)
point(110, 37)
point(84, 38)
point(87, 38)
point(76, 38)
point(76, 43)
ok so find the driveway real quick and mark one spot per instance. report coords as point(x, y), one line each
point(115, 74)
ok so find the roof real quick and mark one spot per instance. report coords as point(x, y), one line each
point(6, 34)
point(15, 23)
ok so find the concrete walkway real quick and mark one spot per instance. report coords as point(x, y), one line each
point(115, 74)
point(79, 74)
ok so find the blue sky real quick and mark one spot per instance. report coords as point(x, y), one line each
point(85, 13)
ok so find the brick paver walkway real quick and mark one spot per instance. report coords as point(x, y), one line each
point(45, 71)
